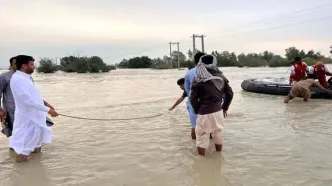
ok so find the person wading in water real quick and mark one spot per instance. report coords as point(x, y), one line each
point(208, 91)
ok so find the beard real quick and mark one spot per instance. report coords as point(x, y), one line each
point(30, 70)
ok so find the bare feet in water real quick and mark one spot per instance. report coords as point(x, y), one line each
point(218, 147)
point(21, 158)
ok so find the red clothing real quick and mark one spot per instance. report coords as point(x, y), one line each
point(321, 75)
point(298, 71)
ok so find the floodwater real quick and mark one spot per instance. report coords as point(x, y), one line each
point(267, 143)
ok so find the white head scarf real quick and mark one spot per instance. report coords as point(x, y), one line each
point(203, 75)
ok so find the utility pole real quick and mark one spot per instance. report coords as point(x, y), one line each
point(194, 43)
point(170, 52)
point(178, 54)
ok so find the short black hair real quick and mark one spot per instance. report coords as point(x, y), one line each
point(11, 60)
point(297, 59)
point(198, 56)
point(180, 81)
point(23, 59)
point(208, 59)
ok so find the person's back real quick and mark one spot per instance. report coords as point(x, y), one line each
point(207, 94)
point(302, 89)
point(211, 99)
point(307, 83)
point(188, 79)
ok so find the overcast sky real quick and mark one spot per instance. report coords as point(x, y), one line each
point(117, 29)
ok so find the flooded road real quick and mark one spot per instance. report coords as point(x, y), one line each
point(267, 143)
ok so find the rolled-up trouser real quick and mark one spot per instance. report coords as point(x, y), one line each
point(209, 124)
point(192, 114)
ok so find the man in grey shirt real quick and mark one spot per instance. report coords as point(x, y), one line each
point(6, 96)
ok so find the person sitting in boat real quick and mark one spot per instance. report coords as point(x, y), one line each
point(302, 89)
point(180, 82)
point(298, 70)
point(320, 71)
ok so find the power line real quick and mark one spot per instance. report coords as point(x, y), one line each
point(281, 26)
point(276, 18)
point(288, 15)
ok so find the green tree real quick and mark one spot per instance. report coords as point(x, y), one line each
point(292, 53)
point(309, 61)
point(278, 61)
point(175, 56)
point(81, 65)
point(225, 58)
point(314, 55)
point(267, 56)
point(85, 64)
point(159, 63)
point(311, 54)
point(180, 55)
point(46, 65)
point(302, 54)
point(96, 64)
point(251, 61)
point(140, 62)
point(67, 63)
point(123, 64)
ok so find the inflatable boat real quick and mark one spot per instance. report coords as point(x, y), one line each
point(277, 86)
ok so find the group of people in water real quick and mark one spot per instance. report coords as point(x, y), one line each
point(24, 112)
point(209, 97)
point(209, 93)
point(302, 78)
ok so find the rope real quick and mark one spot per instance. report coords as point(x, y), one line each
point(122, 119)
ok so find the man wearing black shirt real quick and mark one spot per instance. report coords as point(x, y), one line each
point(184, 95)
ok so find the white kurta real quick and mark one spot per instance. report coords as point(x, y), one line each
point(30, 129)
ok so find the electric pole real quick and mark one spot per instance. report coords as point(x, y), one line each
point(178, 44)
point(170, 52)
point(194, 43)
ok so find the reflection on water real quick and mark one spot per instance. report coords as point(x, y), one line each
point(266, 142)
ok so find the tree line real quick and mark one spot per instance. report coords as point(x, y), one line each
point(226, 59)
point(96, 64)
point(76, 64)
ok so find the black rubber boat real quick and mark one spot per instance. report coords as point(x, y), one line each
point(277, 86)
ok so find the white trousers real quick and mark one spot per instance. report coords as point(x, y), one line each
point(209, 124)
point(25, 142)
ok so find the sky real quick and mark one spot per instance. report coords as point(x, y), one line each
point(118, 29)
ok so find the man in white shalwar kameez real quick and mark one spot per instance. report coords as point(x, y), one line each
point(30, 130)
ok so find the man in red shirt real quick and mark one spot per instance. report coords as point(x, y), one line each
point(298, 70)
point(320, 71)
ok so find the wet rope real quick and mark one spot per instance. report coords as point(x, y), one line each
point(121, 119)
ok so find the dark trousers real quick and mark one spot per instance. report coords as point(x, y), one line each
point(10, 121)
